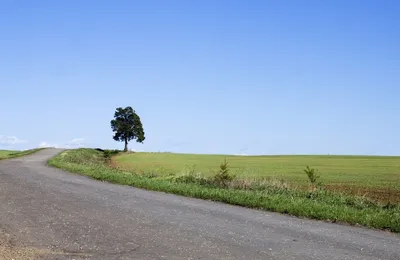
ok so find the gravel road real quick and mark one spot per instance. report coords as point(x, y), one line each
point(50, 214)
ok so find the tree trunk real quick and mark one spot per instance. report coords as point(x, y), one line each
point(126, 145)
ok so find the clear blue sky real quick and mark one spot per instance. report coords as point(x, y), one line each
point(254, 77)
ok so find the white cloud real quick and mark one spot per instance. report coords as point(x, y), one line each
point(10, 140)
point(74, 143)
point(77, 141)
point(46, 144)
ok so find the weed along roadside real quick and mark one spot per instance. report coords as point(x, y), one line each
point(224, 186)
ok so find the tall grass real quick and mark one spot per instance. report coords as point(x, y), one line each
point(269, 194)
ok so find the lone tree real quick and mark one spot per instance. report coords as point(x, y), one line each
point(127, 126)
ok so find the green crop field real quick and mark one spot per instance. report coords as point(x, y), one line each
point(7, 154)
point(374, 176)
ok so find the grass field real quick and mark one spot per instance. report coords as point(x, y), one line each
point(316, 204)
point(377, 177)
point(8, 154)
point(5, 153)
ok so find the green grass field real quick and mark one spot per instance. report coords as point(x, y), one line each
point(5, 153)
point(374, 176)
point(8, 154)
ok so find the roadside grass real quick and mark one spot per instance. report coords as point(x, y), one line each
point(376, 177)
point(270, 194)
point(7, 154)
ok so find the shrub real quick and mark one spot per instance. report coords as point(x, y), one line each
point(313, 177)
point(223, 177)
point(109, 153)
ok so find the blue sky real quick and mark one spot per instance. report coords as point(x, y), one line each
point(233, 77)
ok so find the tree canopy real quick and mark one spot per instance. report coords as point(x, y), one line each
point(127, 126)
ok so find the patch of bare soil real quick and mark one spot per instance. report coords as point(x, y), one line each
point(383, 195)
point(10, 250)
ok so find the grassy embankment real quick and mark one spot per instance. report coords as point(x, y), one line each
point(7, 154)
point(267, 194)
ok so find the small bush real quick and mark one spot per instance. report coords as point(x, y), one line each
point(223, 177)
point(109, 153)
point(313, 177)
